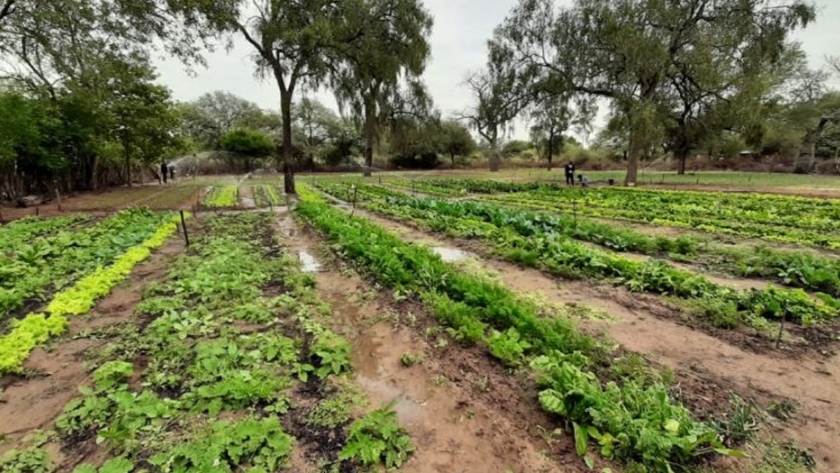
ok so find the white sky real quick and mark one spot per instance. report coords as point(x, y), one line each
point(461, 29)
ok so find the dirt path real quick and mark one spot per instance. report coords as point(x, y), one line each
point(464, 414)
point(246, 196)
point(812, 382)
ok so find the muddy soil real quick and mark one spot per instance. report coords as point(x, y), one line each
point(58, 369)
point(246, 197)
point(111, 200)
point(464, 413)
point(704, 361)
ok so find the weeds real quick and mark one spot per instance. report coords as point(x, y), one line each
point(377, 438)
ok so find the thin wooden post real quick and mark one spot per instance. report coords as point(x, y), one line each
point(781, 327)
point(184, 226)
point(37, 211)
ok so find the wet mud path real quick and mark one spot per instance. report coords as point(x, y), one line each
point(811, 381)
point(463, 412)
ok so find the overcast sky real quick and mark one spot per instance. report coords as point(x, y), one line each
point(461, 29)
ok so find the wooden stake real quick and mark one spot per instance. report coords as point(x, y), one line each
point(184, 226)
point(781, 327)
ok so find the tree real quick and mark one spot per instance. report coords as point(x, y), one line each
point(344, 140)
point(8, 7)
point(296, 42)
point(414, 141)
point(553, 115)
point(640, 53)
point(393, 46)
point(314, 123)
point(456, 140)
point(248, 144)
point(60, 39)
point(499, 100)
point(221, 112)
point(144, 114)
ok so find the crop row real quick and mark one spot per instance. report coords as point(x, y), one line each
point(786, 219)
point(523, 238)
point(741, 229)
point(791, 211)
point(21, 231)
point(266, 196)
point(802, 269)
point(631, 420)
point(78, 299)
point(232, 342)
point(456, 187)
point(222, 197)
point(48, 263)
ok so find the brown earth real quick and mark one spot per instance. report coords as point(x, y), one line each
point(246, 197)
point(703, 360)
point(463, 411)
point(58, 370)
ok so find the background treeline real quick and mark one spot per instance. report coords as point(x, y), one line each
point(719, 79)
point(685, 84)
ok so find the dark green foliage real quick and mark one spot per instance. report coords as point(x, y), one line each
point(636, 421)
point(377, 438)
point(33, 460)
point(252, 444)
point(545, 241)
point(248, 144)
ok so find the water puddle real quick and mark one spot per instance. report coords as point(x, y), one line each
point(407, 409)
point(449, 254)
point(308, 262)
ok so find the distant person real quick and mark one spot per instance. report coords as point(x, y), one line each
point(584, 181)
point(172, 172)
point(570, 173)
point(164, 169)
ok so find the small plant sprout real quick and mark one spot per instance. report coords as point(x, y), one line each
point(410, 359)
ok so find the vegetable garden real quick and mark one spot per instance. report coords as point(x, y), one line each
point(225, 356)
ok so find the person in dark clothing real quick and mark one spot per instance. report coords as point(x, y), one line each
point(164, 169)
point(570, 173)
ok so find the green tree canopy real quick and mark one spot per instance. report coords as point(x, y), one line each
point(456, 140)
point(646, 55)
point(393, 47)
point(248, 145)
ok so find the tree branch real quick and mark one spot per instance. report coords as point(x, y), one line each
point(8, 9)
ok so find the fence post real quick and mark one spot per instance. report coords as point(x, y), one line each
point(355, 193)
point(184, 226)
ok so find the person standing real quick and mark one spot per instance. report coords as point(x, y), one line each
point(164, 169)
point(570, 173)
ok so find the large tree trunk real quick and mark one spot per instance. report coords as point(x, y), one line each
point(633, 160)
point(682, 157)
point(370, 136)
point(495, 158)
point(127, 162)
point(288, 164)
point(550, 151)
point(94, 173)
